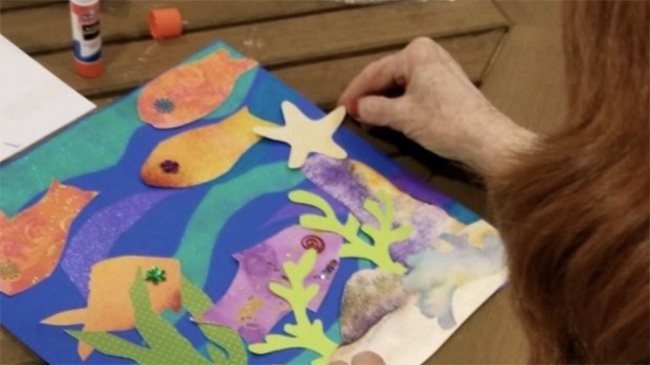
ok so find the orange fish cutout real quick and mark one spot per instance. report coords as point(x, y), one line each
point(109, 305)
point(189, 92)
point(32, 241)
point(202, 154)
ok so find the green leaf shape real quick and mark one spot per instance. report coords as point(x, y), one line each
point(166, 344)
point(304, 333)
point(232, 349)
point(382, 236)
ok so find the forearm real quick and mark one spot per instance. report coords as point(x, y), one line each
point(494, 149)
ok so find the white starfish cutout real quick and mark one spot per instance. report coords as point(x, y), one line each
point(305, 135)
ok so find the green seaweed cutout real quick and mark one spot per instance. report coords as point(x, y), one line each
point(166, 344)
point(382, 236)
point(305, 333)
point(197, 302)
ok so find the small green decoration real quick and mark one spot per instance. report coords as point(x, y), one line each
point(155, 275)
point(166, 344)
point(382, 237)
point(305, 333)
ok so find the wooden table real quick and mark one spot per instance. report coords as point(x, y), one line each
point(511, 49)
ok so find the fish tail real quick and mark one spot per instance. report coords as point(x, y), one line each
point(84, 350)
point(239, 65)
point(66, 318)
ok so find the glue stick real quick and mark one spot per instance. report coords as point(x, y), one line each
point(87, 42)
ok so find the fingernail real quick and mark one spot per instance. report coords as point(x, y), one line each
point(353, 108)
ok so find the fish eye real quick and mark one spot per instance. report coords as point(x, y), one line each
point(164, 105)
point(170, 166)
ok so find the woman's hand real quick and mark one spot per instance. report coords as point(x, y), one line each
point(440, 108)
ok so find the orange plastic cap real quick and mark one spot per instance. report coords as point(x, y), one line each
point(165, 23)
point(89, 70)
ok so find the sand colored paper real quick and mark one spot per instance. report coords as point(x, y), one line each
point(249, 306)
point(202, 154)
point(189, 92)
point(305, 333)
point(369, 295)
point(32, 241)
point(165, 344)
point(382, 235)
point(109, 307)
point(94, 240)
point(353, 183)
point(306, 136)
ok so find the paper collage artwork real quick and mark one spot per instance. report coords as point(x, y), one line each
point(216, 216)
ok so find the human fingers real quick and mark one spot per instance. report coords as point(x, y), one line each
point(379, 111)
point(378, 76)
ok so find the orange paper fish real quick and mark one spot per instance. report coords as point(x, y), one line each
point(109, 305)
point(202, 154)
point(32, 241)
point(191, 91)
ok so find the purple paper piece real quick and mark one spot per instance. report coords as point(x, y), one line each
point(294, 211)
point(341, 180)
point(99, 233)
point(249, 306)
point(420, 190)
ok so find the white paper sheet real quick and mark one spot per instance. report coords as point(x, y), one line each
point(33, 102)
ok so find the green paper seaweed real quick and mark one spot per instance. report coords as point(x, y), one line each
point(166, 344)
point(197, 302)
point(382, 236)
point(305, 333)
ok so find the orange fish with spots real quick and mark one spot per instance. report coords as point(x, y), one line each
point(32, 241)
point(189, 92)
point(109, 305)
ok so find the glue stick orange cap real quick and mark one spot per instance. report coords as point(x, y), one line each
point(165, 23)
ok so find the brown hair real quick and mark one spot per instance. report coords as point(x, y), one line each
point(574, 212)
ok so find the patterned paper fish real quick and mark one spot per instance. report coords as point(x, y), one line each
point(109, 306)
point(191, 91)
point(32, 241)
point(201, 154)
point(249, 306)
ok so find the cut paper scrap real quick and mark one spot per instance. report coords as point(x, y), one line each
point(206, 223)
point(248, 306)
point(305, 135)
point(382, 235)
point(191, 91)
point(94, 240)
point(368, 296)
point(201, 154)
point(352, 183)
point(454, 261)
point(165, 345)
point(109, 307)
point(304, 334)
point(32, 241)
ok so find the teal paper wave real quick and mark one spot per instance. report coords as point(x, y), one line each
point(83, 148)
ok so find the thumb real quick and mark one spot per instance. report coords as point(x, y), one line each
point(377, 110)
